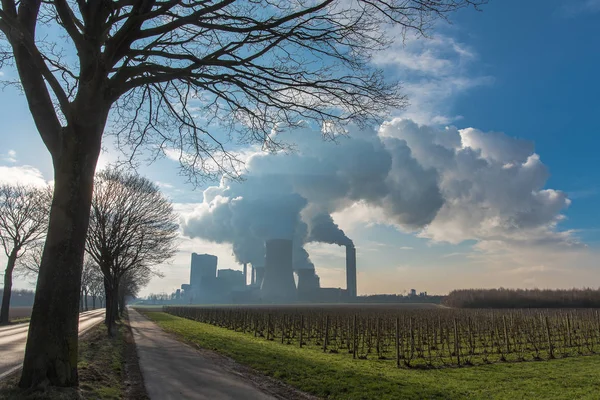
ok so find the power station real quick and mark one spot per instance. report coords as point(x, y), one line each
point(278, 284)
point(271, 282)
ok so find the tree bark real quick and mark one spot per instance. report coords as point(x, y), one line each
point(51, 351)
point(10, 266)
point(111, 288)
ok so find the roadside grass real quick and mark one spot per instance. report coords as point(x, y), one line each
point(100, 367)
point(338, 376)
point(20, 320)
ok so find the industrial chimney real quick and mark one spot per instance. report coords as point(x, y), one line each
point(245, 272)
point(351, 271)
point(278, 283)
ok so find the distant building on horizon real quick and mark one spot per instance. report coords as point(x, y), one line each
point(203, 266)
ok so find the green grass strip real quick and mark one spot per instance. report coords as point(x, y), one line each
point(338, 376)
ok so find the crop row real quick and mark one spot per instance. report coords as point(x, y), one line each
point(416, 338)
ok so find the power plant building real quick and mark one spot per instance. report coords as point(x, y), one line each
point(271, 281)
point(203, 266)
point(231, 279)
point(278, 283)
point(308, 284)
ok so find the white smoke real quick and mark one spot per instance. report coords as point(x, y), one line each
point(444, 184)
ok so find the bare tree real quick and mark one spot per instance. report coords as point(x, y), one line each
point(23, 222)
point(29, 264)
point(169, 72)
point(132, 229)
point(88, 275)
point(132, 282)
point(96, 287)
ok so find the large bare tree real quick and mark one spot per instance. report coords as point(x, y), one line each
point(132, 229)
point(169, 73)
point(23, 222)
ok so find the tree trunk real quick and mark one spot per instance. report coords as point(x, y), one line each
point(86, 300)
point(51, 351)
point(121, 303)
point(93, 301)
point(10, 266)
point(111, 288)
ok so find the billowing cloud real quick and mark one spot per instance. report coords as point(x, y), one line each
point(447, 185)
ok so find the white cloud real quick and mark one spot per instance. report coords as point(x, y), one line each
point(573, 8)
point(10, 156)
point(234, 161)
point(483, 199)
point(23, 174)
point(432, 71)
point(164, 185)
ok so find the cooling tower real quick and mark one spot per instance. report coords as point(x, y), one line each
point(278, 283)
point(308, 283)
point(351, 271)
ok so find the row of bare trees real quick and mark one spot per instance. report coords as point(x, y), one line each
point(132, 230)
point(23, 223)
point(523, 298)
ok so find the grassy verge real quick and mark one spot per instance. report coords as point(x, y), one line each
point(20, 320)
point(101, 369)
point(338, 376)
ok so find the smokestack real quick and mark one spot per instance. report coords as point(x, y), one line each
point(252, 275)
point(278, 283)
point(245, 274)
point(351, 271)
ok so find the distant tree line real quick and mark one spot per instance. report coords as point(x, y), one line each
point(20, 297)
point(397, 298)
point(24, 298)
point(523, 298)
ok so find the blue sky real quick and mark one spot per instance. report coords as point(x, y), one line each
point(544, 60)
point(527, 69)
